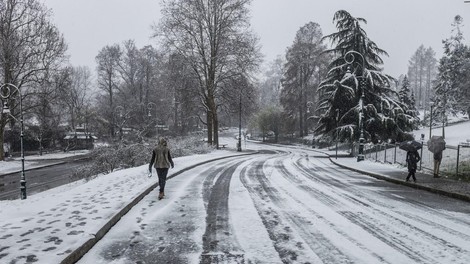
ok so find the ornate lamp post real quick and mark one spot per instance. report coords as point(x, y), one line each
point(430, 120)
point(350, 58)
point(239, 145)
point(5, 94)
point(310, 105)
point(120, 109)
point(337, 119)
point(150, 107)
point(444, 118)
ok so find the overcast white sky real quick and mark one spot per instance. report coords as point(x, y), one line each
point(397, 26)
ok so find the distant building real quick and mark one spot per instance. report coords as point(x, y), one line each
point(79, 139)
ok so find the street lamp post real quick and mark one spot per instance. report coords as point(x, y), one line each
point(310, 105)
point(337, 118)
point(239, 145)
point(120, 109)
point(360, 155)
point(5, 94)
point(350, 58)
point(150, 107)
point(430, 121)
point(443, 121)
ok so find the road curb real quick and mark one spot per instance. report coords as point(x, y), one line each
point(459, 196)
point(78, 253)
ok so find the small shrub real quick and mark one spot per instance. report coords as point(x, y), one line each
point(87, 172)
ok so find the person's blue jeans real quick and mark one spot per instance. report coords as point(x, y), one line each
point(162, 178)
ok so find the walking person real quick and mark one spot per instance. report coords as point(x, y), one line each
point(437, 163)
point(161, 159)
point(437, 144)
point(412, 158)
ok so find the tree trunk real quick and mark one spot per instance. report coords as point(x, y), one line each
point(214, 121)
point(209, 127)
point(216, 129)
point(301, 121)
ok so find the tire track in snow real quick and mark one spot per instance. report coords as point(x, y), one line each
point(389, 228)
point(459, 230)
point(219, 242)
point(286, 230)
point(323, 219)
point(374, 228)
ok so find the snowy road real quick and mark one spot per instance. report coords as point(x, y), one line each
point(287, 206)
point(39, 179)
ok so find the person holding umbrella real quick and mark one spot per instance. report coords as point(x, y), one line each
point(436, 145)
point(412, 159)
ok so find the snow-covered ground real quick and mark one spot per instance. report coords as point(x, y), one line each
point(454, 134)
point(48, 226)
point(287, 206)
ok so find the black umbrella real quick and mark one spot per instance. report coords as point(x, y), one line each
point(411, 145)
point(436, 144)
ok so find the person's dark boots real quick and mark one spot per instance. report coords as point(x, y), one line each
point(161, 195)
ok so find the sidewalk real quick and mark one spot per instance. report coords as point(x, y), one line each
point(62, 224)
point(392, 173)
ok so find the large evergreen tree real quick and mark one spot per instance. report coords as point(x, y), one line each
point(422, 69)
point(407, 97)
point(451, 90)
point(354, 72)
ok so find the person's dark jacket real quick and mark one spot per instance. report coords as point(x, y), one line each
point(412, 159)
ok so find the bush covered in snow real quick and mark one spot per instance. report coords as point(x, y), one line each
point(110, 158)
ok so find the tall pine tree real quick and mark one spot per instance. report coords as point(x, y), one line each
point(407, 97)
point(385, 117)
point(451, 90)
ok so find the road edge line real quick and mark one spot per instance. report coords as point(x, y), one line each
point(459, 196)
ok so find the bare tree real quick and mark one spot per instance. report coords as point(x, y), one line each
point(47, 108)
point(30, 48)
point(305, 63)
point(108, 79)
point(270, 87)
point(75, 87)
point(128, 69)
point(214, 39)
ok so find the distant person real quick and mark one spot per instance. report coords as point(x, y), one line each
point(412, 158)
point(437, 163)
point(161, 158)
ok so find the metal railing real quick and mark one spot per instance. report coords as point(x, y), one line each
point(455, 159)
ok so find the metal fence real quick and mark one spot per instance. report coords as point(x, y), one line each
point(455, 159)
